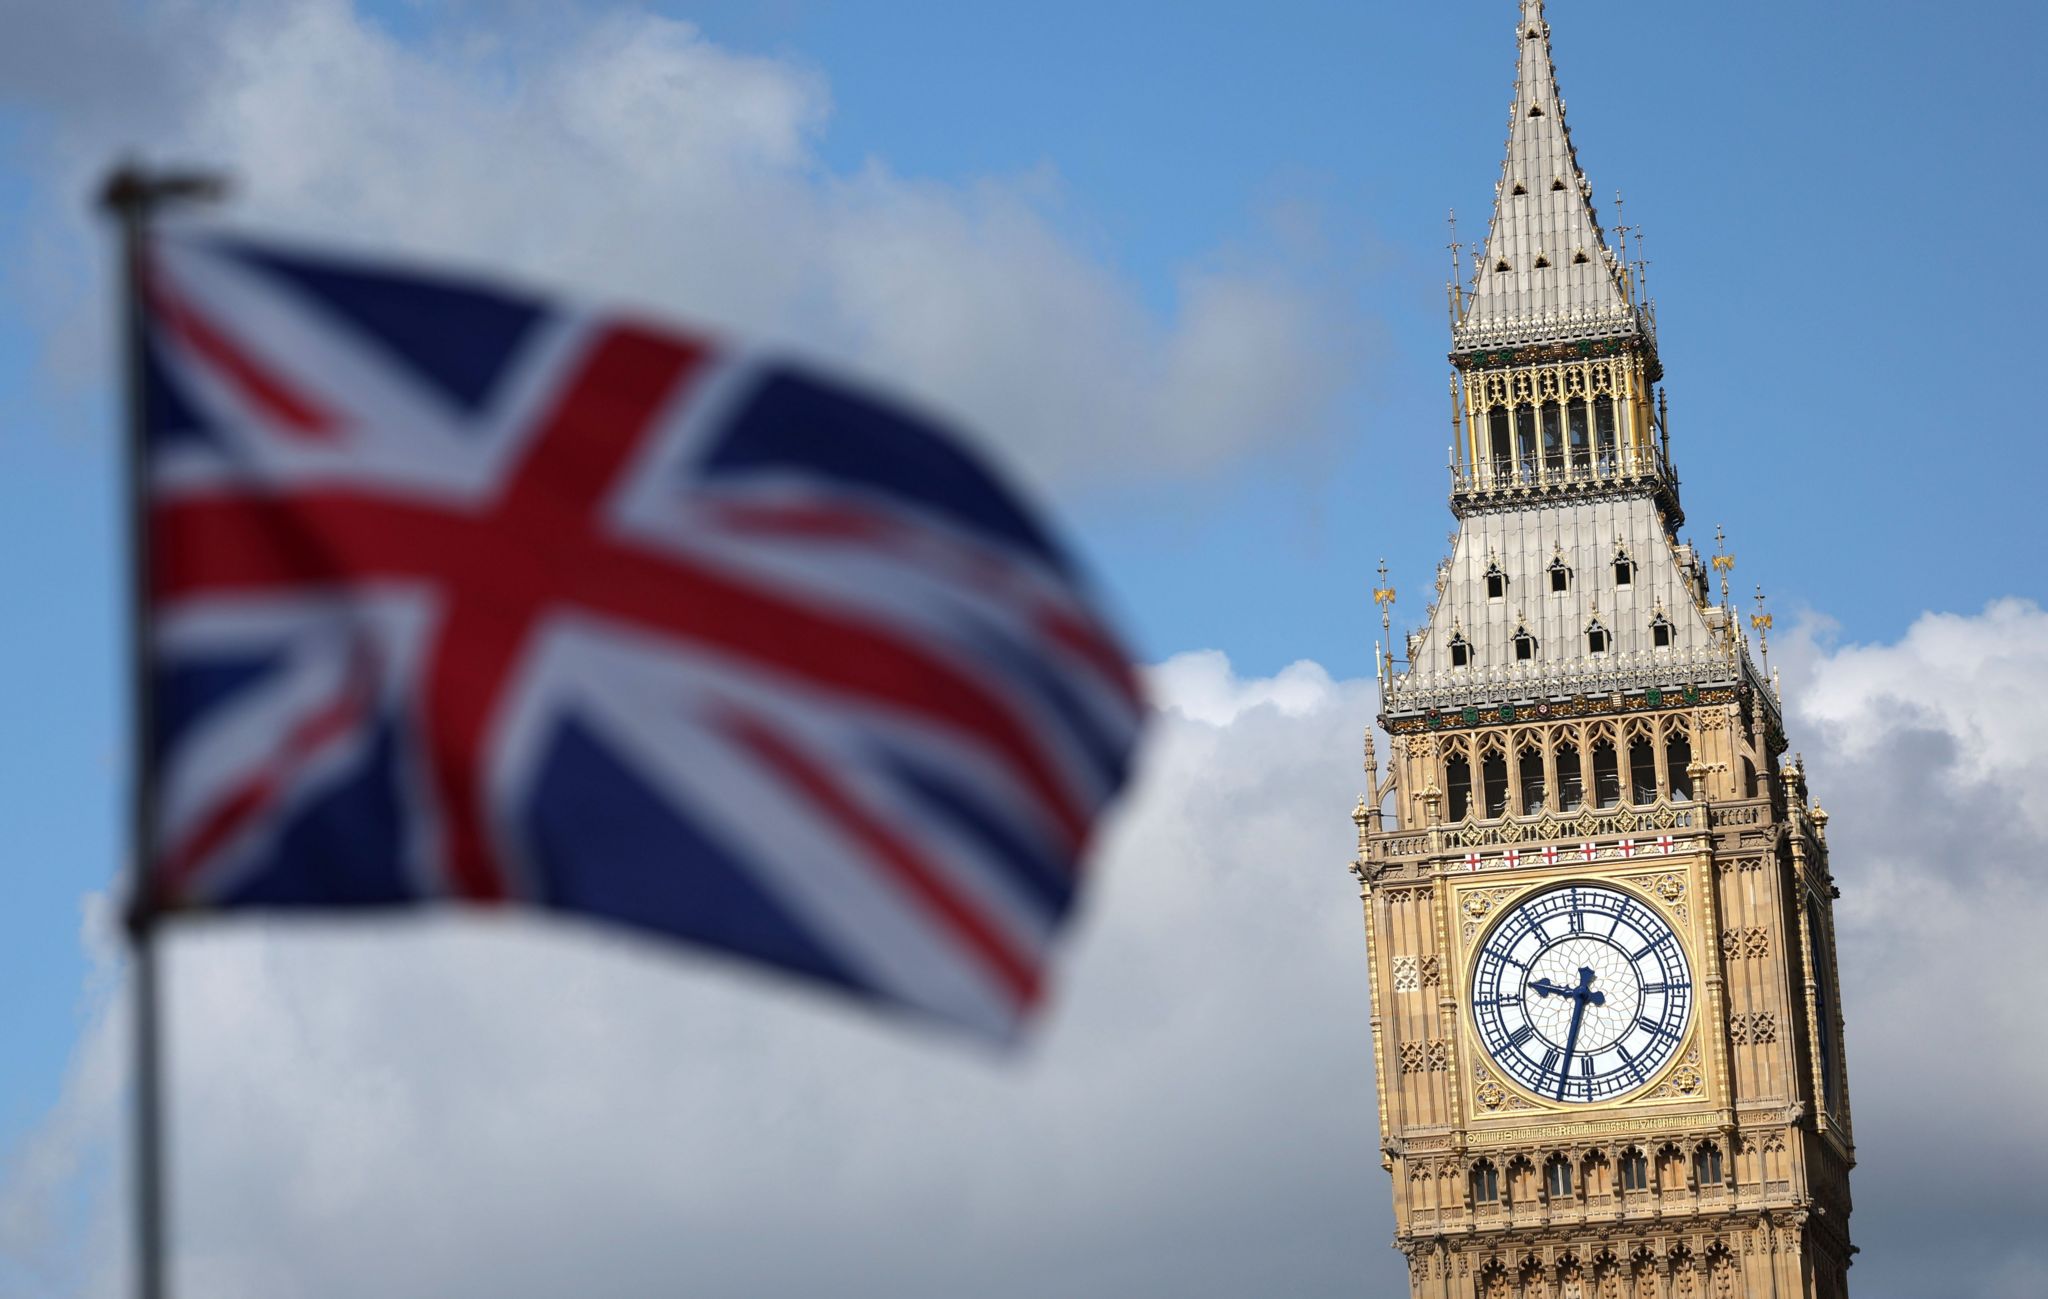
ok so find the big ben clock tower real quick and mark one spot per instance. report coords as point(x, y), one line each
point(1599, 918)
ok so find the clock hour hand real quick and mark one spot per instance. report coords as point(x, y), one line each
point(1584, 992)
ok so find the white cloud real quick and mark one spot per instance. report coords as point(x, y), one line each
point(511, 1108)
point(627, 155)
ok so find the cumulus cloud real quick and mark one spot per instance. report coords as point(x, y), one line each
point(628, 155)
point(1931, 754)
point(472, 1107)
point(457, 1107)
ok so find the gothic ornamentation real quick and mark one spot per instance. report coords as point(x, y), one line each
point(1752, 1028)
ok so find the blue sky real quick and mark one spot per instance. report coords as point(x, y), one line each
point(1835, 205)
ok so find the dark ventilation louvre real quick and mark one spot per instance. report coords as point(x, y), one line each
point(1557, 184)
point(1535, 110)
point(1502, 265)
point(1520, 188)
point(1541, 261)
point(1579, 258)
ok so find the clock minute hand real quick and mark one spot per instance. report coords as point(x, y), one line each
point(1580, 995)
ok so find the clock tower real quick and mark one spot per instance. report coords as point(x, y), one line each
point(1598, 905)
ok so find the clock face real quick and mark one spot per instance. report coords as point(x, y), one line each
point(1581, 993)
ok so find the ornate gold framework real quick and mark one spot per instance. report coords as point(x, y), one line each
point(1668, 883)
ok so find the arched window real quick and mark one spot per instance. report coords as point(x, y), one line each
point(1571, 782)
point(1553, 438)
point(1635, 1170)
point(1525, 440)
point(1530, 766)
point(1501, 443)
point(1496, 582)
point(1575, 424)
point(1457, 787)
point(1461, 651)
point(1604, 441)
point(1596, 638)
point(1606, 775)
point(1493, 768)
point(1557, 1177)
point(1706, 1165)
point(1677, 765)
point(1560, 577)
point(1748, 778)
point(1485, 1183)
point(1624, 569)
point(1660, 631)
point(1642, 772)
point(1525, 646)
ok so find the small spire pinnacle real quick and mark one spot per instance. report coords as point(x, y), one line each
point(1723, 562)
point(1383, 596)
point(1762, 622)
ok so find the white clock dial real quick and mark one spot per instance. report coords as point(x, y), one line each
point(1581, 993)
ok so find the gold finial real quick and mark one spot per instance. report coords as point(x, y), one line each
point(1383, 596)
point(1762, 622)
point(1723, 561)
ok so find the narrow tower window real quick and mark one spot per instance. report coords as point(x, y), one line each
point(1706, 1165)
point(1660, 632)
point(1496, 582)
point(1596, 639)
point(1553, 435)
point(1642, 772)
point(1461, 652)
point(1635, 1170)
point(1603, 436)
point(1558, 1177)
point(1525, 646)
point(1606, 775)
point(1542, 262)
point(1520, 188)
point(1579, 258)
point(1485, 1184)
point(1531, 764)
point(1502, 265)
point(1494, 769)
point(1560, 577)
point(1571, 782)
point(1556, 184)
point(1457, 788)
point(1501, 444)
point(1677, 764)
point(1624, 569)
point(1525, 439)
point(1575, 425)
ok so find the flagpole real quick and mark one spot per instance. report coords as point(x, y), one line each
point(132, 196)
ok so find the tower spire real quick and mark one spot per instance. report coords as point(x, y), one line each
point(1547, 273)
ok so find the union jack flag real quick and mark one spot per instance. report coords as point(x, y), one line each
point(458, 594)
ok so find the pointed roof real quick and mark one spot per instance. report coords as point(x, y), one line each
point(1548, 273)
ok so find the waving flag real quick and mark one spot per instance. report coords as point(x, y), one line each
point(457, 594)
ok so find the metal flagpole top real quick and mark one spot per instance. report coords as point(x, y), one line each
point(133, 194)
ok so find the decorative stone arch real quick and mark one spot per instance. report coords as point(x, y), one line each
point(1668, 1166)
point(1493, 1280)
point(1724, 1274)
point(1596, 1174)
point(1569, 1276)
point(1560, 1179)
point(1685, 1272)
point(1519, 1180)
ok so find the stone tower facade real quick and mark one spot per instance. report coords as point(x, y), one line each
point(1599, 913)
